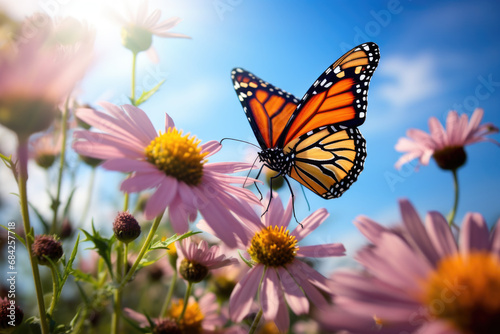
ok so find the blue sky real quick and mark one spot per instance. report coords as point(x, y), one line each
point(435, 56)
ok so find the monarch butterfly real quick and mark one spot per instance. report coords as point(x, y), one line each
point(315, 140)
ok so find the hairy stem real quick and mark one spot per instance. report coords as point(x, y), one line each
point(23, 196)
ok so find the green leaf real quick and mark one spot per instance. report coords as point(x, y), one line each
point(248, 262)
point(18, 237)
point(68, 203)
point(164, 244)
point(147, 94)
point(102, 245)
point(46, 227)
point(68, 267)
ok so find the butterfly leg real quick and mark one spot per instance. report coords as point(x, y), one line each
point(293, 201)
point(258, 174)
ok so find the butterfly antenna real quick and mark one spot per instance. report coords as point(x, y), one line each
point(238, 140)
point(307, 201)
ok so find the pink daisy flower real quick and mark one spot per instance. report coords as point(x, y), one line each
point(278, 275)
point(445, 145)
point(36, 76)
point(195, 261)
point(201, 316)
point(419, 279)
point(45, 148)
point(139, 27)
point(173, 164)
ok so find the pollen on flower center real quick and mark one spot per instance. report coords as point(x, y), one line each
point(193, 316)
point(273, 246)
point(178, 156)
point(465, 291)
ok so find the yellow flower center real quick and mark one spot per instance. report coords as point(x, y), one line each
point(273, 246)
point(465, 291)
point(178, 156)
point(193, 317)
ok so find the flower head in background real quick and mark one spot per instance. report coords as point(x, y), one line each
point(172, 163)
point(195, 261)
point(44, 149)
point(445, 145)
point(36, 76)
point(200, 316)
point(138, 28)
point(418, 279)
point(278, 275)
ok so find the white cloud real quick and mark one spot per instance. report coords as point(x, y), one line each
point(411, 79)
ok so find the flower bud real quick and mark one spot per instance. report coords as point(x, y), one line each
point(46, 246)
point(126, 227)
point(167, 326)
point(10, 315)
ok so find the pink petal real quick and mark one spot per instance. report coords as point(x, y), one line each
point(161, 198)
point(310, 223)
point(275, 212)
point(269, 294)
point(104, 146)
point(436, 327)
point(169, 122)
point(440, 234)
point(136, 316)
point(178, 214)
point(417, 235)
point(325, 250)
point(218, 217)
point(227, 167)
point(282, 320)
point(312, 276)
point(141, 181)
point(396, 262)
point(141, 124)
point(294, 295)
point(474, 235)
point(438, 133)
point(370, 229)
point(244, 293)
point(316, 297)
point(211, 147)
point(128, 165)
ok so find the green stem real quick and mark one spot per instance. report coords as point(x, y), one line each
point(451, 216)
point(89, 196)
point(255, 322)
point(125, 202)
point(186, 300)
point(115, 319)
point(54, 290)
point(134, 63)
point(56, 202)
point(23, 196)
point(142, 252)
point(170, 293)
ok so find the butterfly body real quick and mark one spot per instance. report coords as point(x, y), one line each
point(314, 140)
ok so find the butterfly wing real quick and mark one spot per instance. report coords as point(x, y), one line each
point(338, 96)
point(268, 108)
point(328, 160)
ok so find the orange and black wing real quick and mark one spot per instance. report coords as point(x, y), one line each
point(337, 97)
point(328, 160)
point(268, 108)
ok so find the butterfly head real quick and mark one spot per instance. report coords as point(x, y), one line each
point(277, 160)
